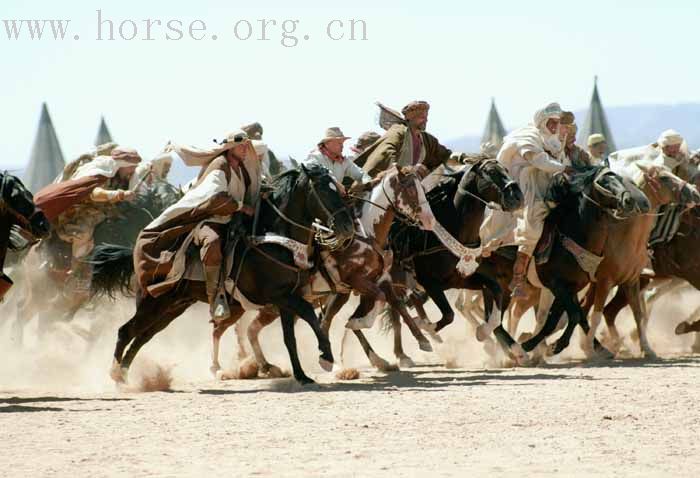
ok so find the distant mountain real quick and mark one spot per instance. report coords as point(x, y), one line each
point(631, 125)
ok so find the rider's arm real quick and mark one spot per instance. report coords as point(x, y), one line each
point(104, 195)
point(543, 161)
point(356, 173)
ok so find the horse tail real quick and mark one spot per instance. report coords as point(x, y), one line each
point(112, 270)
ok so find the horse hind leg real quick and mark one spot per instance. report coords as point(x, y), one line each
point(218, 329)
point(264, 318)
point(635, 299)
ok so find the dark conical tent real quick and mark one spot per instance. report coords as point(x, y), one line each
point(46, 161)
point(494, 131)
point(596, 122)
point(103, 135)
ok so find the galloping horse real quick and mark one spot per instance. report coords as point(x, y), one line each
point(459, 204)
point(588, 205)
point(363, 266)
point(622, 266)
point(264, 274)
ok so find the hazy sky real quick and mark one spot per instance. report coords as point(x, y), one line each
point(456, 55)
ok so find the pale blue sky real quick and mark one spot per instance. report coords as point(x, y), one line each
point(456, 55)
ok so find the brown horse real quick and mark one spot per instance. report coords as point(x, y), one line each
point(21, 222)
point(622, 266)
point(363, 267)
point(678, 258)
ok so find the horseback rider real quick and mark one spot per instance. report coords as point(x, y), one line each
point(406, 143)
point(77, 205)
point(673, 153)
point(597, 147)
point(574, 155)
point(270, 164)
point(329, 154)
point(364, 141)
point(531, 156)
point(228, 183)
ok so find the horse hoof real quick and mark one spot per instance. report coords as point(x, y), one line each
point(304, 380)
point(248, 369)
point(379, 363)
point(481, 333)
point(406, 362)
point(518, 354)
point(682, 328)
point(272, 371)
point(215, 369)
point(118, 373)
point(425, 346)
point(650, 354)
point(326, 365)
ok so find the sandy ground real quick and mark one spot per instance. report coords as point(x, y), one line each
point(60, 415)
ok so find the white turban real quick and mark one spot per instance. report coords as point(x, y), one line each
point(552, 110)
point(670, 137)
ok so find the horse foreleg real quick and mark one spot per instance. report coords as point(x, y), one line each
point(399, 307)
point(596, 296)
point(290, 343)
point(306, 311)
point(333, 305)
point(550, 324)
point(404, 360)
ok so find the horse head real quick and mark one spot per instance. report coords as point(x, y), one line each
point(17, 206)
point(404, 191)
point(664, 187)
point(601, 187)
point(324, 205)
point(488, 180)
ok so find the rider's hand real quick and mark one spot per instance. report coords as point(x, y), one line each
point(128, 195)
point(247, 210)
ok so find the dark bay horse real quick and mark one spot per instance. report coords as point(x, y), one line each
point(459, 204)
point(265, 274)
point(588, 205)
point(363, 266)
point(21, 222)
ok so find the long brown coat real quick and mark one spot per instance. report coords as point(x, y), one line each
point(387, 151)
point(156, 249)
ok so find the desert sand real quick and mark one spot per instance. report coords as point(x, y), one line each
point(60, 415)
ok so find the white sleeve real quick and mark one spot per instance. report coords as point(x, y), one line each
point(545, 163)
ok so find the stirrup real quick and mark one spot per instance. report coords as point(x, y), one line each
point(219, 309)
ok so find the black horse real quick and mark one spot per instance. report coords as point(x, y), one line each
point(458, 203)
point(265, 274)
point(21, 222)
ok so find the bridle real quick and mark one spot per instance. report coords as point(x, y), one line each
point(614, 213)
point(324, 235)
point(476, 169)
point(400, 215)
